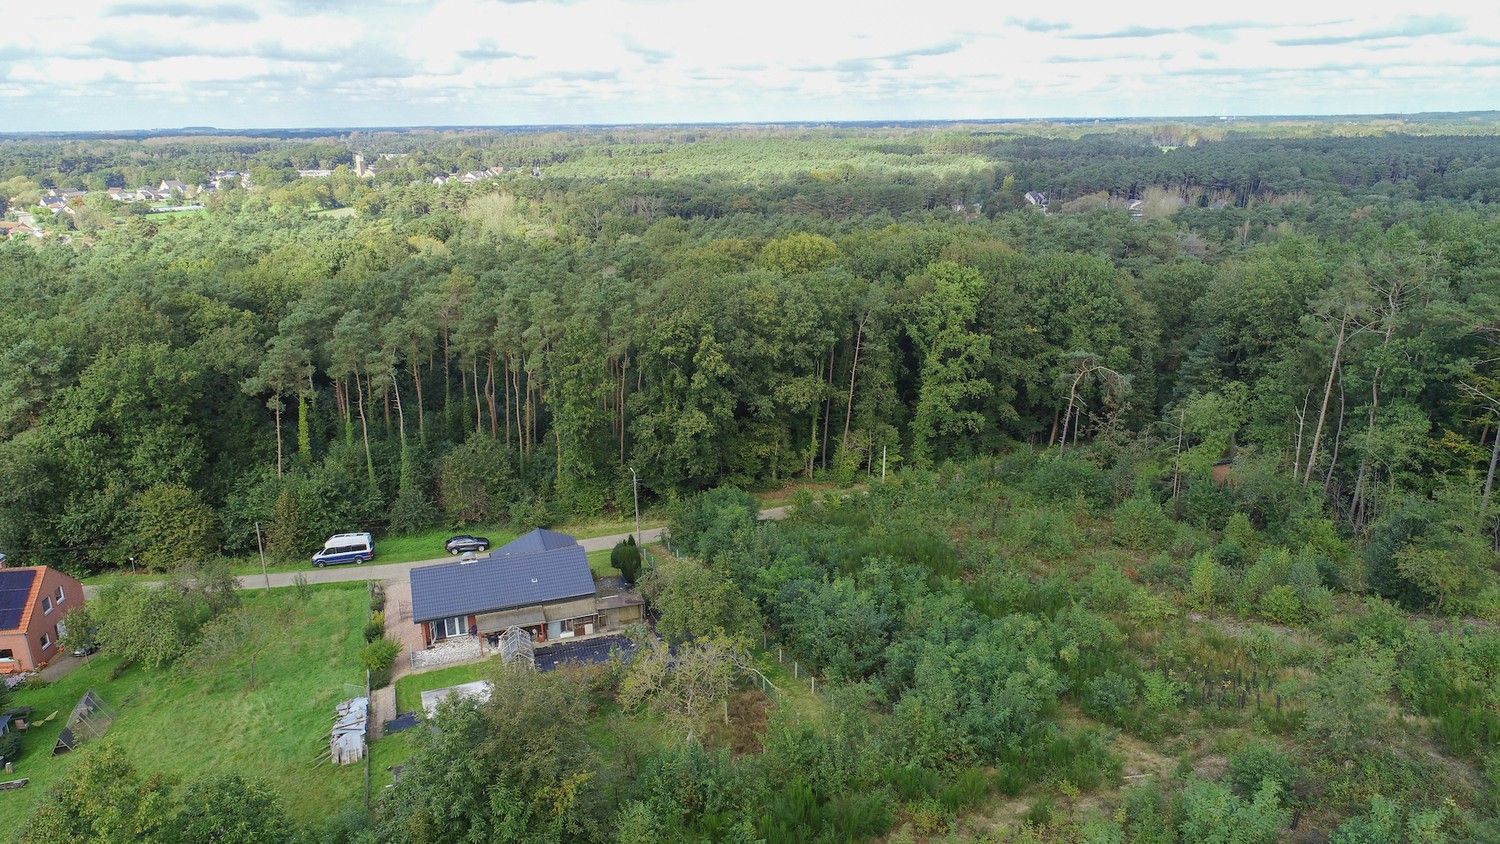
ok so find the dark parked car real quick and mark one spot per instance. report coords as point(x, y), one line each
point(460, 544)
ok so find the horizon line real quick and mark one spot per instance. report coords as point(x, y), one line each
point(873, 122)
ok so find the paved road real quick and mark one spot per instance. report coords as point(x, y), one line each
point(394, 571)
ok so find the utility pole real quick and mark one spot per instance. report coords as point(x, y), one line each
point(635, 489)
point(882, 463)
point(262, 546)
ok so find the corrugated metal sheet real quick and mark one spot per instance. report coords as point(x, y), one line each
point(501, 581)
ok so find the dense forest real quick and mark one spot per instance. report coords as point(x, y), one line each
point(1211, 475)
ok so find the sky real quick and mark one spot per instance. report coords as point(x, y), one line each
point(142, 64)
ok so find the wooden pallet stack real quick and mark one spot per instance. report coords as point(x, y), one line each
point(346, 742)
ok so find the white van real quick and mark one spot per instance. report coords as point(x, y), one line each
point(345, 548)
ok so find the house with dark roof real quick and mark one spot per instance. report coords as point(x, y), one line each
point(34, 601)
point(540, 583)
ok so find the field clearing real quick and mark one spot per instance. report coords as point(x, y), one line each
point(261, 709)
point(755, 160)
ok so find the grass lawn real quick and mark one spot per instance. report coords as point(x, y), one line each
point(795, 692)
point(409, 689)
point(394, 749)
point(204, 717)
point(599, 563)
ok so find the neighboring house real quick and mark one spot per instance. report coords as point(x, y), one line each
point(52, 203)
point(34, 601)
point(1037, 198)
point(362, 170)
point(147, 195)
point(441, 179)
point(9, 229)
point(314, 174)
point(540, 583)
point(168, 187)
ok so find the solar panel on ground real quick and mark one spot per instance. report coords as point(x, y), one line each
point(591, 651)
point(15, 588)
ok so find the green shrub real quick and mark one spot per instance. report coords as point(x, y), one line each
point(10, 746)
point(857, 817)
point(378, 656)
point(1382, 825)
point(1211, 814)
point(1109, 696)
point(411, 512)
point(968, 788)
point(1041, 811)
point(375, 627)
point(1382, 622)
point(1141, 524)
point(626, 556)
point(1205, 581)
point(172, 524)
point(1108, 587)
point(1063, 477)
point(1259, 761)
point(533, 511)
point(912, 782)
point(1229, 552)
point(1009, 779)
point(1280, 604)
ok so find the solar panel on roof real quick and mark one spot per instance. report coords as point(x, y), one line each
point(15, 588)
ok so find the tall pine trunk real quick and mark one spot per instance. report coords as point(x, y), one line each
point(859, 337)
point(1333, 366)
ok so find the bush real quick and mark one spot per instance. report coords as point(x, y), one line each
point(172, 524)
point(912, 782)
point(1109, 696)
point(626, 557)
point(533, 511)
point(375, 627)
point(969, 788)
point(858, 817)
point(1257, 762)
point(412, 512)
point(475, 481)
point(10, 746)
point(706, 521)
point(1141, 524)
point(378, 656)
point(1211, 814)
point(1280, 604)
point(1063, 477)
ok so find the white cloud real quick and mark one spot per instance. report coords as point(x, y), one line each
point(125, 63)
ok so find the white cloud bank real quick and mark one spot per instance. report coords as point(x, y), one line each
point(90, 64)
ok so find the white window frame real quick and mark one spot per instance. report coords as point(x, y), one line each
point(59, 597)
point(46, 604)
point(459, 622)
point(46, 641)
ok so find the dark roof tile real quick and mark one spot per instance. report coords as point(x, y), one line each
point(509, 577)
